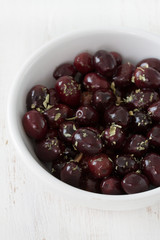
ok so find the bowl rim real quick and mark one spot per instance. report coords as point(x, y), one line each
point(20, 146)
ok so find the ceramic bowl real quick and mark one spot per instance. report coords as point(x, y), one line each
point(133, 45)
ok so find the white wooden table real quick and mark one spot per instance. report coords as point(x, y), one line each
point(28, 209)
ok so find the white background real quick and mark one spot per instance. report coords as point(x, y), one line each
point(28, 209)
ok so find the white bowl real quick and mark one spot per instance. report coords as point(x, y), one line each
point(133, 45)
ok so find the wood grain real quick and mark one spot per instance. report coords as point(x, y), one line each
point(29, 210)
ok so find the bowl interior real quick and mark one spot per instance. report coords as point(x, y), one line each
point(39, 69)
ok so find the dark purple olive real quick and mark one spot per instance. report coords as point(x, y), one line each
point(125, 164)
point(93, 82)
point(49, 149)
point(56, 115)
point(86, 116)
point(100, 165)
point(37, 98)
point(154, 111)
point(135, 183)
point(86, 141)
point(147, 78)
point(104, 63)
point(34, 124)
point(68, 91)
point(102, 98)
point(113, 136)
point(150, 62)
point(86, 98)
point(84, 63)
point(123, 75)
point(141, 98)
point(66, 130)
point(65, 69)
point(112, 186)
point(117, 57)
point(154, 136)
point(137, 145)
point(151, 168)
point(140, 121)
point(71, 174)
point(118, 115)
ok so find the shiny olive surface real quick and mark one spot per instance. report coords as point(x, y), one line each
point(135, 183)
point(65, 69)
point(123, 75)
point(151, 168)
point(104, 63)
point(68, 91)
point(100, 165)
point(34, 124)
point(112, 186)
point(150, 62)
point(147, 78)
point(56, 115)
point(37, 97)
point(118, 115)
point(86, 141)
point(71, 174)
point(84, 63)
point(93, 81)
point(125, 164)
